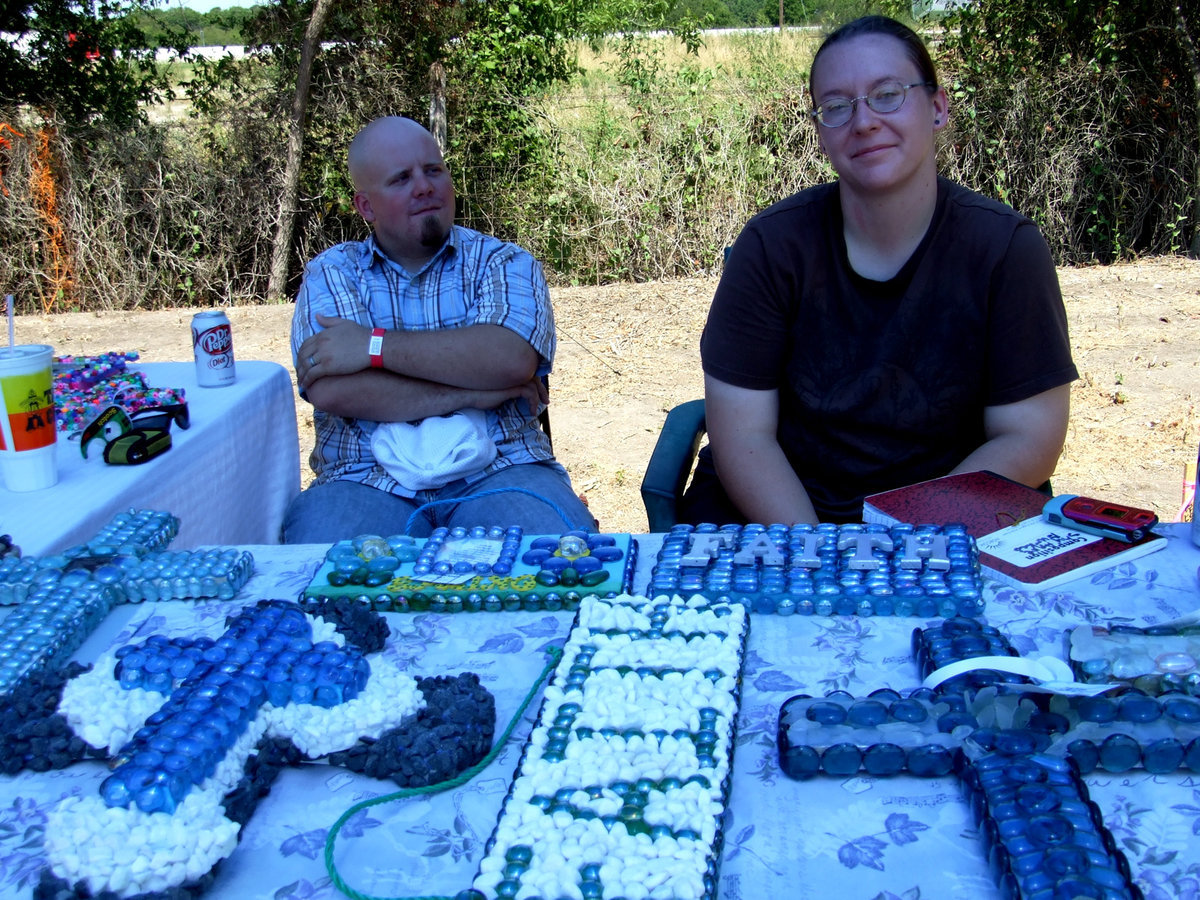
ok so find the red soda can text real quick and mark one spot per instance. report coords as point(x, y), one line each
point(212, 341)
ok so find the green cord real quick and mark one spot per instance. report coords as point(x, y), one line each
point(461, 778)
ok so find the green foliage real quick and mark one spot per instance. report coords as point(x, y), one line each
point(766, 13)
point(506, 53)
point(377, 59)
point(215, 28)
point(82, 59)
point(710, 13)
point(1086, 114)
point(751, 12)
point(665, 161)
point(636, 162)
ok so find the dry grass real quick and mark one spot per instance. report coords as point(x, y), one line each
point(725, 49)
point(629, 352)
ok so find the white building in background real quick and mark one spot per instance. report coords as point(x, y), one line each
point(237, 51)
point(924, 8)
point(21, 44)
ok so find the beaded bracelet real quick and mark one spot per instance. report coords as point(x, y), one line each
point(85, 386)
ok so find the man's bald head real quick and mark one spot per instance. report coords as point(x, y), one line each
point(402, 188)
point(376, 135)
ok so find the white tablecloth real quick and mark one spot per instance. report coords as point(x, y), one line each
point(857, 839)
point(228, 478)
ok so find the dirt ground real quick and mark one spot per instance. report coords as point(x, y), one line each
point(628, 353)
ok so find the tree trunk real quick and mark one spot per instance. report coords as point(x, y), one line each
point(1189, 48)
point(282, 244)
point(437, 104)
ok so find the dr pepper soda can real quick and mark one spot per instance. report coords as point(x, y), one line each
point(212, 341)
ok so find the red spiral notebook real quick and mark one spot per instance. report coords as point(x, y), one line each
point(1016, 546)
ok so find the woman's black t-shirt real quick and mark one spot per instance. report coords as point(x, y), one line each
point(883, 384)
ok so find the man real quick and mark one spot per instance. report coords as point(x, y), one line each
point(423, 319)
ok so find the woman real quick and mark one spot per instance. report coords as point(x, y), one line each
point(884, 329)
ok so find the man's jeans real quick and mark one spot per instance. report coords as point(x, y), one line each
point(337, 510)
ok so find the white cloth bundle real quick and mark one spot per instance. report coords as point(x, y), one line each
point(432, 452)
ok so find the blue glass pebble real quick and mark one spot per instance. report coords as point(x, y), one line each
point(841, 760)
point(802, 762)
point(930, 761)
point(1096, 709)
point(884, 759)
point(1138, 708)
point(1119, 753)
point(867, 714)
point(908, 710)
point(1163, 756)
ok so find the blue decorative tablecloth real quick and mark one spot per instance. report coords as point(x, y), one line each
point(861, 837)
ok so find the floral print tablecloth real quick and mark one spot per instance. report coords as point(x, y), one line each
point(860, 838)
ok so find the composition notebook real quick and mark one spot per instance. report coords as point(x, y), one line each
point(1016, 546)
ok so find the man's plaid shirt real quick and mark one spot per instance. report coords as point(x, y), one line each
point(474, 279)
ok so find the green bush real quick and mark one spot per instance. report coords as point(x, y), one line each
point(1082, 114)
point(643, 164)
point(658, 167)
point(152, 217)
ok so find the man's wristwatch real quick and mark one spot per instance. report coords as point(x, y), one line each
point(375, 348)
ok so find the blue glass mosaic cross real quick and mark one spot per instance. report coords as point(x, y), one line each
point(60, 599)
point(1045, 839)
point(266, 655)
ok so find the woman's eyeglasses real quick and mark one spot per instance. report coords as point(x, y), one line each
point(886, 98)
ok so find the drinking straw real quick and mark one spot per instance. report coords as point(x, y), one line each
point(8, 301)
